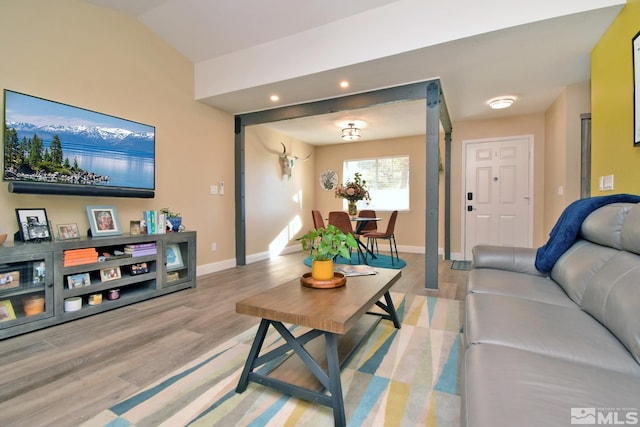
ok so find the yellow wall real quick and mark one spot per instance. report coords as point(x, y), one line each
point(88, 56)
point(612, 105)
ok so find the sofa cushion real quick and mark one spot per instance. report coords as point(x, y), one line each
point(631, 231)
point(577, 266)
point(509, 283)
point(613, 297)
point(604, 225)
point(553, 330)
point(505, 386)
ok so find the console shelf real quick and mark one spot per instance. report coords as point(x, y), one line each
point(37, 271)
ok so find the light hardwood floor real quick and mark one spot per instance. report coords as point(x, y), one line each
point(66, 374)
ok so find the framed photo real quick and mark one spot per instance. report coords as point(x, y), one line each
point(34, 225)
point(174, 256)
point(636, 89)
point(6, 311)
point(104, 221)
point(68, 231)
point(39, 272)
point(78, 280)
point(107, 274)
point(139, 268)
point(9, 279)
point(134, 227)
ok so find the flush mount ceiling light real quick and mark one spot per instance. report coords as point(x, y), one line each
point(501, 102)
point(351, 133)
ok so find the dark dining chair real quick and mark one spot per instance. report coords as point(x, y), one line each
point(369, 226)
point(342, 222)
point(318, 222)
point(388, 234)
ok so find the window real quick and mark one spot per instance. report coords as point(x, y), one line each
point(387, 181)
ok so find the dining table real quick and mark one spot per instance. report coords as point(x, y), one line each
point(361, 223)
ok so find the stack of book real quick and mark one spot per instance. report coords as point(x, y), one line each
point(155, 222)
point(141, 249)
point(73, 257)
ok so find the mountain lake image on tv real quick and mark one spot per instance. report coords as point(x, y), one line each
point(54, 148)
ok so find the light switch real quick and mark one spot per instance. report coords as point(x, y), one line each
point(213, 189)
point(608, 183)
point(222, 188)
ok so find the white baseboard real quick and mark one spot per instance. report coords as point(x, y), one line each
point(230, 263)
point(215, 267)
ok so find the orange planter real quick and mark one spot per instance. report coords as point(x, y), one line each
point(322, 270)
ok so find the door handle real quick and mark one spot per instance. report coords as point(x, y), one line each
point(469, 208)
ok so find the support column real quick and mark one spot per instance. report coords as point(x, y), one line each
point(432, 186)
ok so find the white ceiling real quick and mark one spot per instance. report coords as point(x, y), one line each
point(478, 50)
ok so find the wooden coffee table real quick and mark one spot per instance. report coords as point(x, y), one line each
point(343, 315)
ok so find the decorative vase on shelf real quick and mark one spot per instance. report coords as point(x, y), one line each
point(353, 208)
point(175, 221)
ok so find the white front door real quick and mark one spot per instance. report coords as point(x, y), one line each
point(497, 199)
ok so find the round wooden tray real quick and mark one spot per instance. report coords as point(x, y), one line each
point(337, 281)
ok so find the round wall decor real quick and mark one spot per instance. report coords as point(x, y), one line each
point(329, 179)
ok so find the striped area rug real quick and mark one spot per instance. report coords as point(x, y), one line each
point(402, 377)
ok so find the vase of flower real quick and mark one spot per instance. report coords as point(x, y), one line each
point(353, 208)
point(353, 191)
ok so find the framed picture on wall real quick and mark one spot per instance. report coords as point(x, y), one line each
point(636, 89)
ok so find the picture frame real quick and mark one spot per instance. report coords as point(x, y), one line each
point(139, 268)
point(174, 256)
point(9, 279)
point(6, 311)
point(39, 272)
point(635, 44)
point(103, 221)
point(68, 231)
point(33, 224)
point(111, 273)
point(134, 227)
point(78, 280)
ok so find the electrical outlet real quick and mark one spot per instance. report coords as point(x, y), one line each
point(214, 247)
point(213, 189)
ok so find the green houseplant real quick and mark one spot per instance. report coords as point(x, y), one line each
point(323, 245)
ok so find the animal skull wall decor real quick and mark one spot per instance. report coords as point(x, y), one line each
point(287, 162)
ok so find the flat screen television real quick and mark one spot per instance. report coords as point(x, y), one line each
point(55, 148)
